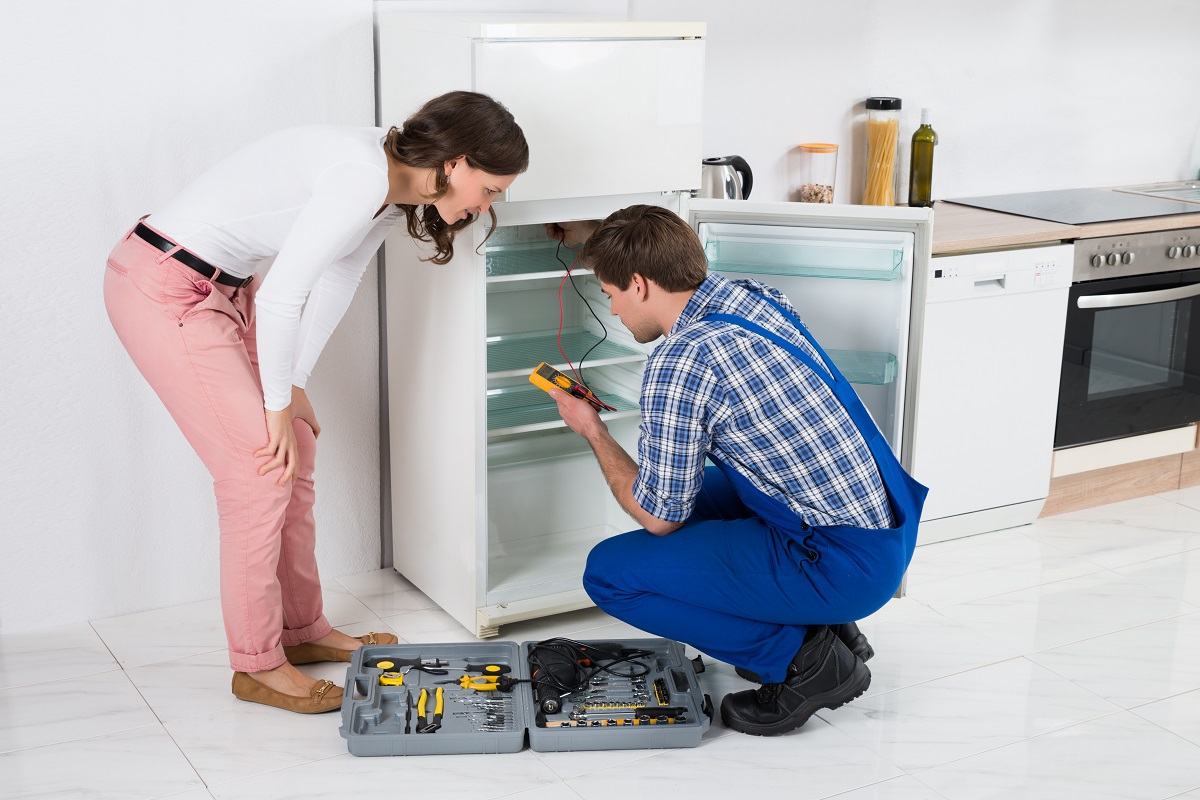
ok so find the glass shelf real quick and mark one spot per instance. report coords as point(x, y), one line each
point(518, 354)
point(524, 261)
point(769, 253)
point(866, 367)
point(519, 409)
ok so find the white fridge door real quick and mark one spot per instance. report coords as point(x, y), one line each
point(847, 270)
point(602, 116)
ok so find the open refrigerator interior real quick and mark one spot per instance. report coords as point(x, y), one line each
point(547, 502)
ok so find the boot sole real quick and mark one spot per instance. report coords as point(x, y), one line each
point(853, 687)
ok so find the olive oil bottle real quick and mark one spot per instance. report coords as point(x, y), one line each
point(920, 176)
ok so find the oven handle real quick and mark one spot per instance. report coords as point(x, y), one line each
point(1139, 298)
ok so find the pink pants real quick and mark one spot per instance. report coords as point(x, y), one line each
point(194, 342)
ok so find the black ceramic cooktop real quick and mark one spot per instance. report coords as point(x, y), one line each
point(1080, 206)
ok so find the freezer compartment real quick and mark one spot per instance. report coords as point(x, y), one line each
point(548, 505)
point(780, 250)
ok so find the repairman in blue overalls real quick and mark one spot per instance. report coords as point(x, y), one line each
point(806, 523)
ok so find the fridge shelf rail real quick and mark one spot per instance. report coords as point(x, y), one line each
point(766, 252)
point(525, 261)
point(520, 409)
point(513, 355)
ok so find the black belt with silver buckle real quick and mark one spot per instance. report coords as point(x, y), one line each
point(192, 260)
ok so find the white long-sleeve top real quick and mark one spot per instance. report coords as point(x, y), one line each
point(308, 197)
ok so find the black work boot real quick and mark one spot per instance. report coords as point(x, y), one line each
point(823, 674)
point(850, 635)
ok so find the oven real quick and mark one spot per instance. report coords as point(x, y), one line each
point(1131, 359)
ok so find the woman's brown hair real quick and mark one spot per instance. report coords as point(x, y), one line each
point(446, 127)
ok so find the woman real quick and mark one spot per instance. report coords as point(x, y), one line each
point(230, 358)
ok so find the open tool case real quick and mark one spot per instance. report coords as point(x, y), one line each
point(650, 701)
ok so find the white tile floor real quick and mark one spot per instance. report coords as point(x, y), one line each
point(1058, 660)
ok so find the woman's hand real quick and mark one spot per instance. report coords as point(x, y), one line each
point(281, 446)
point(573, 232)
point(302, 409)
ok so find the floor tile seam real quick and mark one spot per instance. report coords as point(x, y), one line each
point(561, 780)
point(1010, 565)
point(924, 785)
point(156, 662)
point(868, 694)
point(72, 676)
point(1165, 729)
point(209, 785)
point(564, 779)
point(1056, 583)
point(1171, 696)
point(1098, 570)
point(918, 772)
point(1156, 558)
point(1135, 626)
point(81, 738)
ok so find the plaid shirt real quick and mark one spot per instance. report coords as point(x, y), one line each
point(712, 387)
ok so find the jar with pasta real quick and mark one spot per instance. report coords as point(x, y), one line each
point(883, 129)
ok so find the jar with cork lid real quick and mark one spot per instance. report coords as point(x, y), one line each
point(816, 173)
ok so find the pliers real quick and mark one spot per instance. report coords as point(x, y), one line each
point(422, 727)
point(485, 683)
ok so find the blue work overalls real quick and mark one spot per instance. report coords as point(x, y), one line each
point(745, 575)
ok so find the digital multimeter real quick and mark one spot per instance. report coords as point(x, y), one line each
point(546, 377)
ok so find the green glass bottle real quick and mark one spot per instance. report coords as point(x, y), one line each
point(920, 174)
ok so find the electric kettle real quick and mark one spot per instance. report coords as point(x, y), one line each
point(725, 178)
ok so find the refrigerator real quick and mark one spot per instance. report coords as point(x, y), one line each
point(494, 503)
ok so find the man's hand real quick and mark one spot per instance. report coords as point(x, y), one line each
point(574, 232)
point(580, 415)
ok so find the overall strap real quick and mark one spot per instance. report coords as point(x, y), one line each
point(830, 375)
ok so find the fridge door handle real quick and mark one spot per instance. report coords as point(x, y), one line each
point(1139, 298)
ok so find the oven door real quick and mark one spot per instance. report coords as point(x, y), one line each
point(1131, 362)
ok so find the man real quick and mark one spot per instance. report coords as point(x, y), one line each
point(806, 521)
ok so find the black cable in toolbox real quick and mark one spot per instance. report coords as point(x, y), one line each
point(562, 666)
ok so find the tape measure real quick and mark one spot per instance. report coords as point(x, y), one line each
point(546, 378)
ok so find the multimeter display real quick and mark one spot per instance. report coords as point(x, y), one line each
point(546, 377)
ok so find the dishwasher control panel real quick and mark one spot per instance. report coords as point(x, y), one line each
point(959, 277)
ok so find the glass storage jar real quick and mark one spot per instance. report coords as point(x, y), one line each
point(883, 128)
point(816, 173)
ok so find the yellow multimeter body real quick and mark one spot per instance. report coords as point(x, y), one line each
point(546, 377)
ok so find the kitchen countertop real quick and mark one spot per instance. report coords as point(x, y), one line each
point(962, 229)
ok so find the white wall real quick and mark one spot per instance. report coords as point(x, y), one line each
point(1029, 94)
point(108, 108)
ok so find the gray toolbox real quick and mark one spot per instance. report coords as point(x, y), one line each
point(638, 693)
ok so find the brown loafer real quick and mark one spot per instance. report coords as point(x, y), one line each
point(324, 695)
point(309, 653)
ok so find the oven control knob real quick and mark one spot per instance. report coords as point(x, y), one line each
point(1113, 259)
point(1189, 251)
point(1097, 261)
point(1174, 251)
point(1127, 258)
